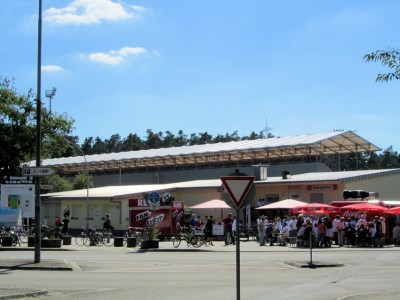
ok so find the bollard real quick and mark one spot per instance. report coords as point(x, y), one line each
point(118, 241)
point(31, 241)
point(131, 242)
point(6, 241)
point(66, 240)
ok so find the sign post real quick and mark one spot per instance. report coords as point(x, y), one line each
point(240, 191)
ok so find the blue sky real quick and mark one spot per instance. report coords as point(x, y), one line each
point(213, 65)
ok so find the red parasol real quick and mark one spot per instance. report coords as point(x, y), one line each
point(394, 211)
point(365, 207)
point(315, 208)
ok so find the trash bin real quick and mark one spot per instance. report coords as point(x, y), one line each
point(131, 242)
point(118, 241)
point(6, 241)
point(66, 240)
point(31, 241)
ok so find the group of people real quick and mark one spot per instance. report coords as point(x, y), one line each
point(321, 231)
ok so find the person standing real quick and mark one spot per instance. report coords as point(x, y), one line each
point(208, 231)
point(107, 227)
point(340, 227)
point(228, 235)
point(65, 226)
point(334, 227)
point(261, 230)
point(234, 227)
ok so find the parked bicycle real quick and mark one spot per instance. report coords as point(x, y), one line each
point(192, 237)
point(136, 232)
point(107, 237)
point(9, 232)
point(89, 237)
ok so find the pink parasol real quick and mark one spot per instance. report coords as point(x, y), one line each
point(215, 203)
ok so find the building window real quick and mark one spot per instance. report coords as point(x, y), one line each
point(271, 198)
point(75, 212)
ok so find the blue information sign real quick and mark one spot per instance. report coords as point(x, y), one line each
point(154, 197)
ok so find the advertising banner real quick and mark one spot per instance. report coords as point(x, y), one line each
point(19, 196)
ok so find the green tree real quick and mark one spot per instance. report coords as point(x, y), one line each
point(132, 143)
point(80, 181)
point(57, 183)
point(389, 58)
point(18, 128)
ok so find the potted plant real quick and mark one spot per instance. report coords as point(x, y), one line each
point(150, 237)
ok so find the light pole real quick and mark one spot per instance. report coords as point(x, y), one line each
point(50, 94)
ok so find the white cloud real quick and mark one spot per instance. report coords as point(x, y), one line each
point(115, 57)
point(51, 68)
point(90, 11)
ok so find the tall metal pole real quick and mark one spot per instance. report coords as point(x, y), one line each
point(38, 139)
point(237, 256)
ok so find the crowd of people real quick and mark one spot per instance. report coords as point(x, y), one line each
point(319, 231)
point(323, 232)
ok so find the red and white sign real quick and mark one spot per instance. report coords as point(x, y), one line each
point(238, 187)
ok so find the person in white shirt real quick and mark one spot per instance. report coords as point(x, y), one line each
point(334, 228)
point(361, 221)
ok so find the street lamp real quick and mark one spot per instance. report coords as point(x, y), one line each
point(50, 94)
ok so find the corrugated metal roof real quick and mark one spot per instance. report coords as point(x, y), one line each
point(127, 191)
point(240, 151)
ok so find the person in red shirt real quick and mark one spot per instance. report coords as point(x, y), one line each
point(228, 230)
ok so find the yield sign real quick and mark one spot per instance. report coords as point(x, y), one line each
point(238, 187)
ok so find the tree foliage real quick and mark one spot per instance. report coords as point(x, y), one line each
point(18, 128)
point(389, 58)
point(81, 181)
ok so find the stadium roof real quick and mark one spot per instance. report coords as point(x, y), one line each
point(246, 151)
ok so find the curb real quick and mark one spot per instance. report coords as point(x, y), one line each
point(20, 293)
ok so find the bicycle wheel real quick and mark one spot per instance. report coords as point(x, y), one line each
point(88, 240)
point(98, 240)
point(139, 239)
point(14, 239)
point(79, 240)
point(125, 239)
point(108, 240)
point(197, 241)
point(176, 241)
point(23, 237)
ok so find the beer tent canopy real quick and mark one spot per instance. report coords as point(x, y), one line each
point(283, 204)
point(365, 207)
point(315, 208)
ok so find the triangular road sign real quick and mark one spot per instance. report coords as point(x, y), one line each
point(238, 187)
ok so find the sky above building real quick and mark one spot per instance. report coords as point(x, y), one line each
point(215, 66)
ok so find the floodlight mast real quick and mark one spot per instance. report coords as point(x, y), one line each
point(50, 94)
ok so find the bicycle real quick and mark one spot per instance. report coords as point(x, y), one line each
point(80, 239)
point(94, 238)
point(136, 232)
point(9, 232)
point(107, 237)
point(192, 238)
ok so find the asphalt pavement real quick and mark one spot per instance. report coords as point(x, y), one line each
point(164, 246)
